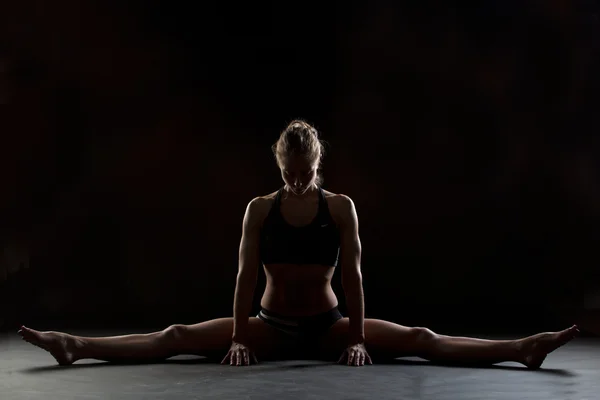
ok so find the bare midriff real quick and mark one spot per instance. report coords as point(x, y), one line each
point(298, 290)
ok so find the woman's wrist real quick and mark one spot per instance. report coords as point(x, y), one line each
point(356, 339)
point(239, 337)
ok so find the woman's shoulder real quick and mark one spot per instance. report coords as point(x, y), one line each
point(262, 204)
point(267, 199)
point(335, 198)
point(338, 204)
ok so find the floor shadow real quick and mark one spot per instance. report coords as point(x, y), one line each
point(285, 365)
point(259, 368)
point(399, 361)
point(57, 368)
point(100, 364)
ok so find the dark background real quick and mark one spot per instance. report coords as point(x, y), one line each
point(134, 134)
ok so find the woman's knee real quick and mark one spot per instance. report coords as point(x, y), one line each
point(174, 333)
point(421, 334)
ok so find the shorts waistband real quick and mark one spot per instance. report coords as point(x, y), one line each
point(301, 325)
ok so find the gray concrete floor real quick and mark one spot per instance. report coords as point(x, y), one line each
point(27, 372)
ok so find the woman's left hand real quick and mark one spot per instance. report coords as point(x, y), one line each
point(355, 355)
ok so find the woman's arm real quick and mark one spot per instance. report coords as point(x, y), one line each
point(351, 275)
point(249, 259)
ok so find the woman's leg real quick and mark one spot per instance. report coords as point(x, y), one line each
point(209, 338)
point(389, 340)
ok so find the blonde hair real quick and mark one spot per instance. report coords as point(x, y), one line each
point(302, 139)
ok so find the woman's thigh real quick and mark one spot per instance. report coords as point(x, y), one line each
point(383, 339)
point(213, 338)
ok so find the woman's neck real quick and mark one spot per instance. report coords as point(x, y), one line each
point(288, 193)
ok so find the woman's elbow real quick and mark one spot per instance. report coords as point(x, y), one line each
point(352, 279)
point(246, 278)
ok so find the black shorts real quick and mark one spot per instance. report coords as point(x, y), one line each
point(309, 327)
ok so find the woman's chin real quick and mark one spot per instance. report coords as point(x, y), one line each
point(298, 192)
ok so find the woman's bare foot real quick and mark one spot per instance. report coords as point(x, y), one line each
point(535, 348)
point(60, 345)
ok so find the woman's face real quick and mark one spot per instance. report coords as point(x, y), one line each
point(298, 173)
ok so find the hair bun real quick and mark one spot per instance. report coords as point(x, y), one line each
point(302, 128)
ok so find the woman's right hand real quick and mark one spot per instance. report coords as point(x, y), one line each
point(239, 354)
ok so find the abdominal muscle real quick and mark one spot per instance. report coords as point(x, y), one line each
point(298, 290)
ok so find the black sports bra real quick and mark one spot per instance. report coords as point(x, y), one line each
point(315, 243)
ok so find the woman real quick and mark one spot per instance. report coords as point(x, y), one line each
point(297, 233)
